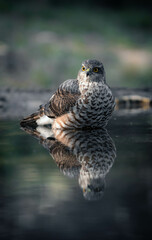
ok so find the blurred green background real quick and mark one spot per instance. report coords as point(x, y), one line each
point(43, 42)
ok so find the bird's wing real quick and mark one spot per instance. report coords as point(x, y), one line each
point(63, 99)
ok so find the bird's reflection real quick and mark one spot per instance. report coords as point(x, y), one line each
point(87, 155)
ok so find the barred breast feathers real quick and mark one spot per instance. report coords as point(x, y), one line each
point(92, 108)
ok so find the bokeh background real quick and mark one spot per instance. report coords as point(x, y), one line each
point(43, 42)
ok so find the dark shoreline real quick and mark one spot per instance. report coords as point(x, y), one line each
point(16, 103)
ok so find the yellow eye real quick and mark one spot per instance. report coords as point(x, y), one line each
point(83, 68)
point(95, 69)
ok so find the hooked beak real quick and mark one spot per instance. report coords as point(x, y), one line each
point(88, 72)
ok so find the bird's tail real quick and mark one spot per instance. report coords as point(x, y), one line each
point(31, 120)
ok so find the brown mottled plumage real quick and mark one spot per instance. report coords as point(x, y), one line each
point(85, 102)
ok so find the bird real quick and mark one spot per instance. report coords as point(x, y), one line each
point(81, 103)
point(87, 155)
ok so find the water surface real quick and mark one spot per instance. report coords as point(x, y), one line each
point(39, 200)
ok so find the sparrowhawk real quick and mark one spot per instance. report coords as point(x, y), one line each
point(85, 102)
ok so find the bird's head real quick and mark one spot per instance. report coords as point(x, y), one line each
point(93, 188)
point(92, 71)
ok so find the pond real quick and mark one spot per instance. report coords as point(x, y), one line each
point(50, 189)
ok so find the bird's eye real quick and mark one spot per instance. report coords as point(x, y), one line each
point(95, 69)
point(83, 68)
